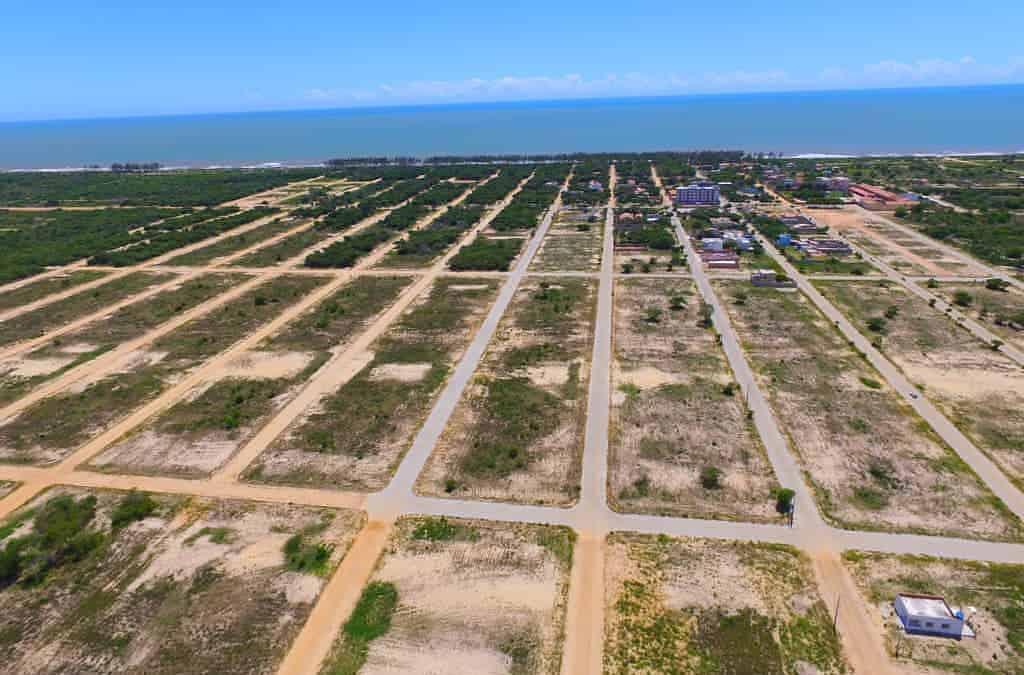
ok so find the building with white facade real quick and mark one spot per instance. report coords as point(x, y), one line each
point(698, 194)
point(928, 614)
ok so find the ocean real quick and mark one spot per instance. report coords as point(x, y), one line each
point(893, 121)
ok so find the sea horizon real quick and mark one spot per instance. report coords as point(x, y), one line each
point(977, 119)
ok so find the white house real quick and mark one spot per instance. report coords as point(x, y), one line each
point(928, 614)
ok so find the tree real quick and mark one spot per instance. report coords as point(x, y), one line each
point(962, 298)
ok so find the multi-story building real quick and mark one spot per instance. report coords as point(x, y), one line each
point(698, 194)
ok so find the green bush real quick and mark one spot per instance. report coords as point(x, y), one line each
point(710, 478)
point(133, 507)
point(302, 556)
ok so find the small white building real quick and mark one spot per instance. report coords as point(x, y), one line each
point(712, 244)
point(928, 614)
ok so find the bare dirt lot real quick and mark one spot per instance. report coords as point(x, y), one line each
point(872, 462)
point(700, 606)
point(355, 437)
point(903, 253)
point(452, 596)
point(573, 243)
point(990, 596)
point(517, 433)
point(681, 443)
point(197, 435)
point(114, 582)
point(979, 389)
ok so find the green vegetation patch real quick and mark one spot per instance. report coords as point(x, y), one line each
point(41, 288)
point(370, 619)
point(62, 422)
point(649, 632)
point(85, 303)
point(486, 254)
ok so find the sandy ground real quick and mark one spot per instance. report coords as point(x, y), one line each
point(268, 365)
point(848, 222)
point(235, 546)
point(462, 602)
point(552, 472)
point(670, 419)
point(403, 372)
point(679, 582)
point(965, 586)
point(880, 467)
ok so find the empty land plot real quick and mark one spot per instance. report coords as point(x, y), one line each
point(517, 433)
point(978, 388)
point(283, 250)
point(117, 582)
point(235, 243)
point(873, 463)
point(37, 322)
point(572, 243)
point(681, 441)
point(37, 290)
point(20, 374)
point(454, 596)
point(355, 437)
point(700, 606)
point(198, 434)
point(52, 428)
point(1002, 312)
point(876, 239)
point(990, 595)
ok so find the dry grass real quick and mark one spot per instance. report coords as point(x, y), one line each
point(698, 606)
point(355, 437)
point(573, 242)
point(873, 463)
point(979, 389)
point(994, 591)
point(196, 586)
point(466, 597)
point(517, 433)
point(676, 413)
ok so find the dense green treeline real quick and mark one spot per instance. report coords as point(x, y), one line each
point(996, 236)
point(441, 233)
point(152, 245)
point(170, 188)
point(496, 189)
point(31, 241)
point(536, 196)
point(486, 254)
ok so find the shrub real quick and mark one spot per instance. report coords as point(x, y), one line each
point(996, 284)
point(962, 299)
point(652, 315)
point(729, 389)
point(710, 478)
point(133, 507)
point(891, 312)
point(870, 383)
point(876, 324)
point(301, 556)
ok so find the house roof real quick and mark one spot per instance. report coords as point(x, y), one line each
point(933, 606)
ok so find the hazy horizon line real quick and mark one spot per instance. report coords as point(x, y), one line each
point(511, 103)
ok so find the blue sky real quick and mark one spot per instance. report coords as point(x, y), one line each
point(68, 58)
